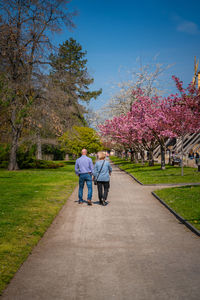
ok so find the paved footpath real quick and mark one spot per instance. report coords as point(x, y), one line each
point(133, 248)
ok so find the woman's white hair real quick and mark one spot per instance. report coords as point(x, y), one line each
point(101, 155)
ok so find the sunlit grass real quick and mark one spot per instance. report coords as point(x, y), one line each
point(154, 175)
point(185, 201)
point(29, 201)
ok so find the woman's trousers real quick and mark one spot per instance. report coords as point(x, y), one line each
point(103, 189)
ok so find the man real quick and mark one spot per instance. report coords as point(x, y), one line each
point(84, 169)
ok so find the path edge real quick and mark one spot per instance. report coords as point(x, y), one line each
point(130, 175)
point(157, 184)
point(33, 249)
point(180, 218)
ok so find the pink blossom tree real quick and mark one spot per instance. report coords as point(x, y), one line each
point(183, 112)
point(141, 128)
point(152, 120)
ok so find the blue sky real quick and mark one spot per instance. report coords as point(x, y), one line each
point(115, 33)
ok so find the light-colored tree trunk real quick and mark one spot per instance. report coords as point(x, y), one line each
point(182, 140)
point(16, 130)
point(39, 147)
point(66, 157)
point(13, 152)
point(136, 158)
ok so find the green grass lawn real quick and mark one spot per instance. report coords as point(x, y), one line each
point(29, 201)
point(185, 201)
point(154, 175)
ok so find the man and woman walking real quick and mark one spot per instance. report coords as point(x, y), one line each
point(101, 172)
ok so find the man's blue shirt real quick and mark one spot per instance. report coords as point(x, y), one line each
point(84, 165)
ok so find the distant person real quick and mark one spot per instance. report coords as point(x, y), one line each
point(102, 172)
point(84, 169)
point(107, 156)
point(197, 158)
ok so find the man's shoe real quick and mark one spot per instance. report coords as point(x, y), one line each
point(80, 202)
point(89, 202)
point(103, 202)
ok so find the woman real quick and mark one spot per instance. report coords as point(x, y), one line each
point(102, 172)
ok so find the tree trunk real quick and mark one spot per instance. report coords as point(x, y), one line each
point(39, 147)
point(126, 154)
point(66, 157)
point(132, 156)
point(119, 154)
point(136, 157)
point(13, 152)
point(151, 160)
point(170, 158)
point(142, 157)
point(162, 150)
point(182, 139)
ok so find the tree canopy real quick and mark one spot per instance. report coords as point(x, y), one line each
point(78, 138)
point(70, 72)
point(33, 102)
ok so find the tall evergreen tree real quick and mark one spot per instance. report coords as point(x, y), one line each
point(69, 70)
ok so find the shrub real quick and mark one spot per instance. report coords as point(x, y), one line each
point(25, 159)
point(58, 154)
point(4, 164)
point(33, 163)
point(4, 152)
